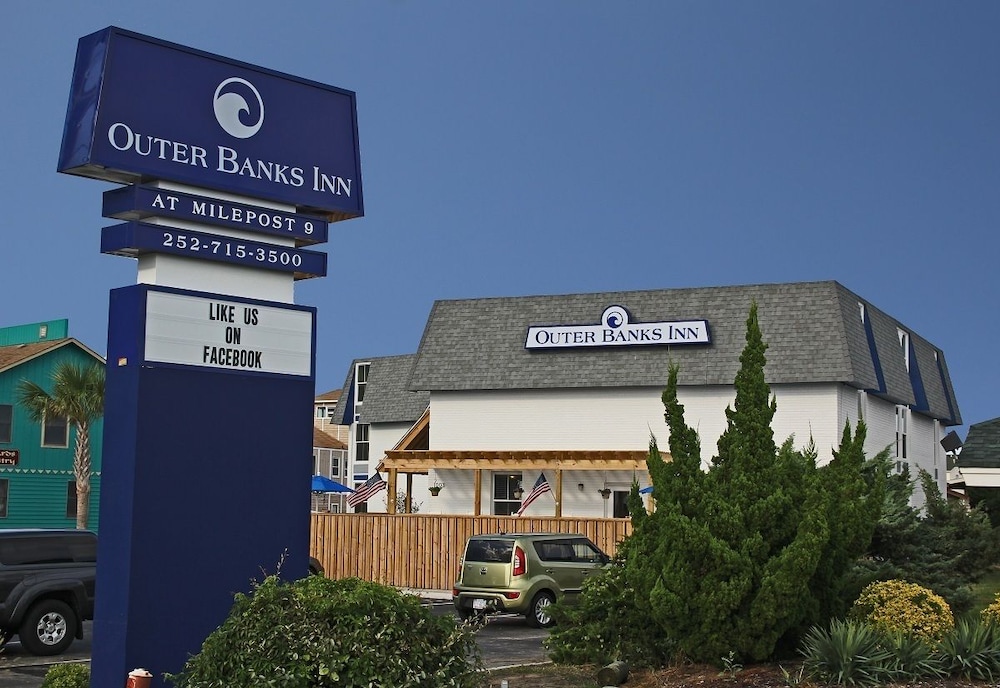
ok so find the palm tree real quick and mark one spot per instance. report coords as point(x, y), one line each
point(77, 395)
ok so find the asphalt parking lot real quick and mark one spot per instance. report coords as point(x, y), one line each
point(504, 641)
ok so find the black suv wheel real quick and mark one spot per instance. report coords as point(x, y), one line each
point(48, 628)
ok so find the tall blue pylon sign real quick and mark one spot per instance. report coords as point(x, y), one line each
point(229, 174)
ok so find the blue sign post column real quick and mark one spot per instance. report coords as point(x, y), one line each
point(232, 173)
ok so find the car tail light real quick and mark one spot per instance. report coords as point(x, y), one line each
point(511, 594)
point(520, 565)
point(454, 592)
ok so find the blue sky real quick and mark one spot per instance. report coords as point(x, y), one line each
point(557, 147)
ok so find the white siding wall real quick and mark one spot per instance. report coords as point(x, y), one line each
point(923, 442)
point(881, 423)
point(924, 452)
point(546, 419)
point(620, 418)
point(623, 418)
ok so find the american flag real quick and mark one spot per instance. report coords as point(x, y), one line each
point(367, 490)
point(540, 488)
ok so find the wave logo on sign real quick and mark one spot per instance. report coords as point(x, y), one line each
point(230, 104)
point(615, 316)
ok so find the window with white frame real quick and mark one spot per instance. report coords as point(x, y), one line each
point(361, 447)
point(328, 462)
point(902, 422)
point(506, 501)
point(55, 431)
point(361, 382)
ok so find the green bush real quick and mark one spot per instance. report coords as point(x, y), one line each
point(67, 676)
point(972, 650)
point(607, 624)
point(849, 653)
point(316, 632)
point(897, 606)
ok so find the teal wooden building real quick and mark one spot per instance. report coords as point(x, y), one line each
point(37, 485)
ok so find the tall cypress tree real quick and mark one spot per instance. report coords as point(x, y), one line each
point(725, 560)
point(853, 508)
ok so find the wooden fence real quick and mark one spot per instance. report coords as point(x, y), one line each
point(422, 551)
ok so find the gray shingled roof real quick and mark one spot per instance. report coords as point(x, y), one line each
point(982, 446)
point(814, 332)
point(387, 400)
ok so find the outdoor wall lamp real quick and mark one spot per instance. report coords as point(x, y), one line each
point(580, 486)
point(605, 493)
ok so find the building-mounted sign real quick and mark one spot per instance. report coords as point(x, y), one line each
point(131, 239)
point(228, 334)
point(10, 457)
point(137, 202)
point(142, 108)
point(617, 330)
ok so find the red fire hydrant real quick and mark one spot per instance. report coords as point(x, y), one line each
point(138, 678)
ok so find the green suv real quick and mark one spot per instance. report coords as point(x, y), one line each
point(523, 573)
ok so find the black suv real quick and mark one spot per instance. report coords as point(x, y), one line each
point(46, 587)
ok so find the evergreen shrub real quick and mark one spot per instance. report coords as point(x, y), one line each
point(607, 625)
point(898, 606)
point(67, 676)
point(317, 632)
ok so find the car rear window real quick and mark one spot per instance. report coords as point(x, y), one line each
point(489, 550)
point(52, 549)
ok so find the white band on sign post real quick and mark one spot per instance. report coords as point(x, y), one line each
point(225, 334)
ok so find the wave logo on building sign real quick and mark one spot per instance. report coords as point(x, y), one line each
point(614, 317)
point(229, 104)
point(617, 329)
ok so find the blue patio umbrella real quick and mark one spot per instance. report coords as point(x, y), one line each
point(320, 483)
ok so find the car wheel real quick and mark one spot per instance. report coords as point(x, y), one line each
point(48, 628)
point(539, 614)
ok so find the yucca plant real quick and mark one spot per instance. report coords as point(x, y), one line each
point(972, 650)
point(912, 658)
point(849, 653)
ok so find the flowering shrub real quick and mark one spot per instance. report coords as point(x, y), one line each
point(895, 606)
point(991, 614)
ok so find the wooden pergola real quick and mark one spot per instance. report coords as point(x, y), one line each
point(421, 461)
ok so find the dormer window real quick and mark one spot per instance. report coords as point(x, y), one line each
point(360, 382)
point(904, 343)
